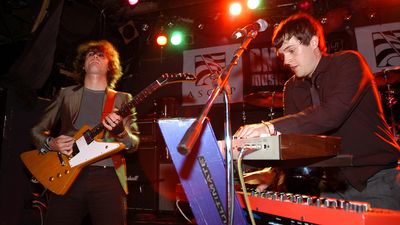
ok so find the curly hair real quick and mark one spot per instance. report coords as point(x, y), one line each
point(114, 66)
point(303, 27)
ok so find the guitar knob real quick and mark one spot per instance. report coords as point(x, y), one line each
point(66, 171)
point(58, 175)
point(51, 178)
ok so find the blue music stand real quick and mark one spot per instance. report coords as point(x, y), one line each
point(202, 173)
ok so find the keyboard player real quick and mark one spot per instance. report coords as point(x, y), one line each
point(335, 94)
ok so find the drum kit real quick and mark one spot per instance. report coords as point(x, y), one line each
point(271, 100)
point(388, 81)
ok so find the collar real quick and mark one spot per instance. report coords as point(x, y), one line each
point(81, 87)
point(77, 87)
point(321, 67)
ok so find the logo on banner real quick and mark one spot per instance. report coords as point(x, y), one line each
point(265, 68)
point(387, 47)
point(208, 64)
point(208, 67)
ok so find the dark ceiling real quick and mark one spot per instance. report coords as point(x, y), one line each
point(18, 16)
point(207, 20)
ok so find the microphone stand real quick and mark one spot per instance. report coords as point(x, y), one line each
point(193, 133)
point(230, 185)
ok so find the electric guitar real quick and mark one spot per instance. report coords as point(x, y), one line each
point(57, 172)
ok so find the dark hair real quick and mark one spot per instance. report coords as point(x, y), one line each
point(114, 66)
point(303, 27)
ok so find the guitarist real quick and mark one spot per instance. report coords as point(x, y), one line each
point(99, 189)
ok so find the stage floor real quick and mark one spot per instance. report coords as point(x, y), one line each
point(156, 218)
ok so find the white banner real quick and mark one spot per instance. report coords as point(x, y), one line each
point(206, 63)
point(380, 45)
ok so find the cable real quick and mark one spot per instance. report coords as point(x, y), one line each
point(180, 210)
point(38, 204)
point(243, 185)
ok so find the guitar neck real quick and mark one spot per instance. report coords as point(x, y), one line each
point(124, 111)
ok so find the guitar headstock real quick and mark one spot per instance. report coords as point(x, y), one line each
point(168, 78)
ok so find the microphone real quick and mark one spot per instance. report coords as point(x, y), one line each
point(260, 25)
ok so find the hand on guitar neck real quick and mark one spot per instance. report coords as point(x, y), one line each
point(113, 123)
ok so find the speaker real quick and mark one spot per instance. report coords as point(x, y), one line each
point(167, 187)
point(142, 173)
point(143, 169)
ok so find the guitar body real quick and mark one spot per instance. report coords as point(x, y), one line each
point(48, 170)
point(57, 172)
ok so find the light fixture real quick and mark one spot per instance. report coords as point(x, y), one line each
point(128, 31)
point(133, 3)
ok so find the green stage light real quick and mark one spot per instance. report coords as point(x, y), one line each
point(177, 38)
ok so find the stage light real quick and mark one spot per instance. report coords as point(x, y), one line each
point(176, 37)
point(235, 8)
point(253, 4)
point(161, 40)
point(145, 27)
point(372, 15)
point(304, 5)
point(200, 26)
point(133, 2)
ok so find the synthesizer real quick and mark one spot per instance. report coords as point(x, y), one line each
point(285, 147)
point(285, 208)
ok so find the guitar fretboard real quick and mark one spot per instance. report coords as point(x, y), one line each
point(125, 110)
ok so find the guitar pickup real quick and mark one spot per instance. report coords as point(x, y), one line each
point(62, 162)
point(88, 137)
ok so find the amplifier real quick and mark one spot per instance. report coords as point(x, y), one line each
point(143, 178)
point(149, 133)
point(166, 188)
point(151, 176)
point(150, 137)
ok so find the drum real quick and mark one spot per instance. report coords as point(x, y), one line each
point(388, 82)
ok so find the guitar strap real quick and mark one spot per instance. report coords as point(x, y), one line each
point(108, 106)
point(118, 159)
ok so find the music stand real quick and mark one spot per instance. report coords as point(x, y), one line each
point(201, 173)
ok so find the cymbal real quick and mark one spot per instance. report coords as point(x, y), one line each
point(388, 76)
point(265, 99)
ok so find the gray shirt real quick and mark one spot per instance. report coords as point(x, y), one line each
point(90, 114)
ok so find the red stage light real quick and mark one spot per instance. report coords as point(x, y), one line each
point(304, 5)
point(162, 40)
point(235, 8)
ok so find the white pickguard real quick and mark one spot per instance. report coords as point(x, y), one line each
point(91, 151)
